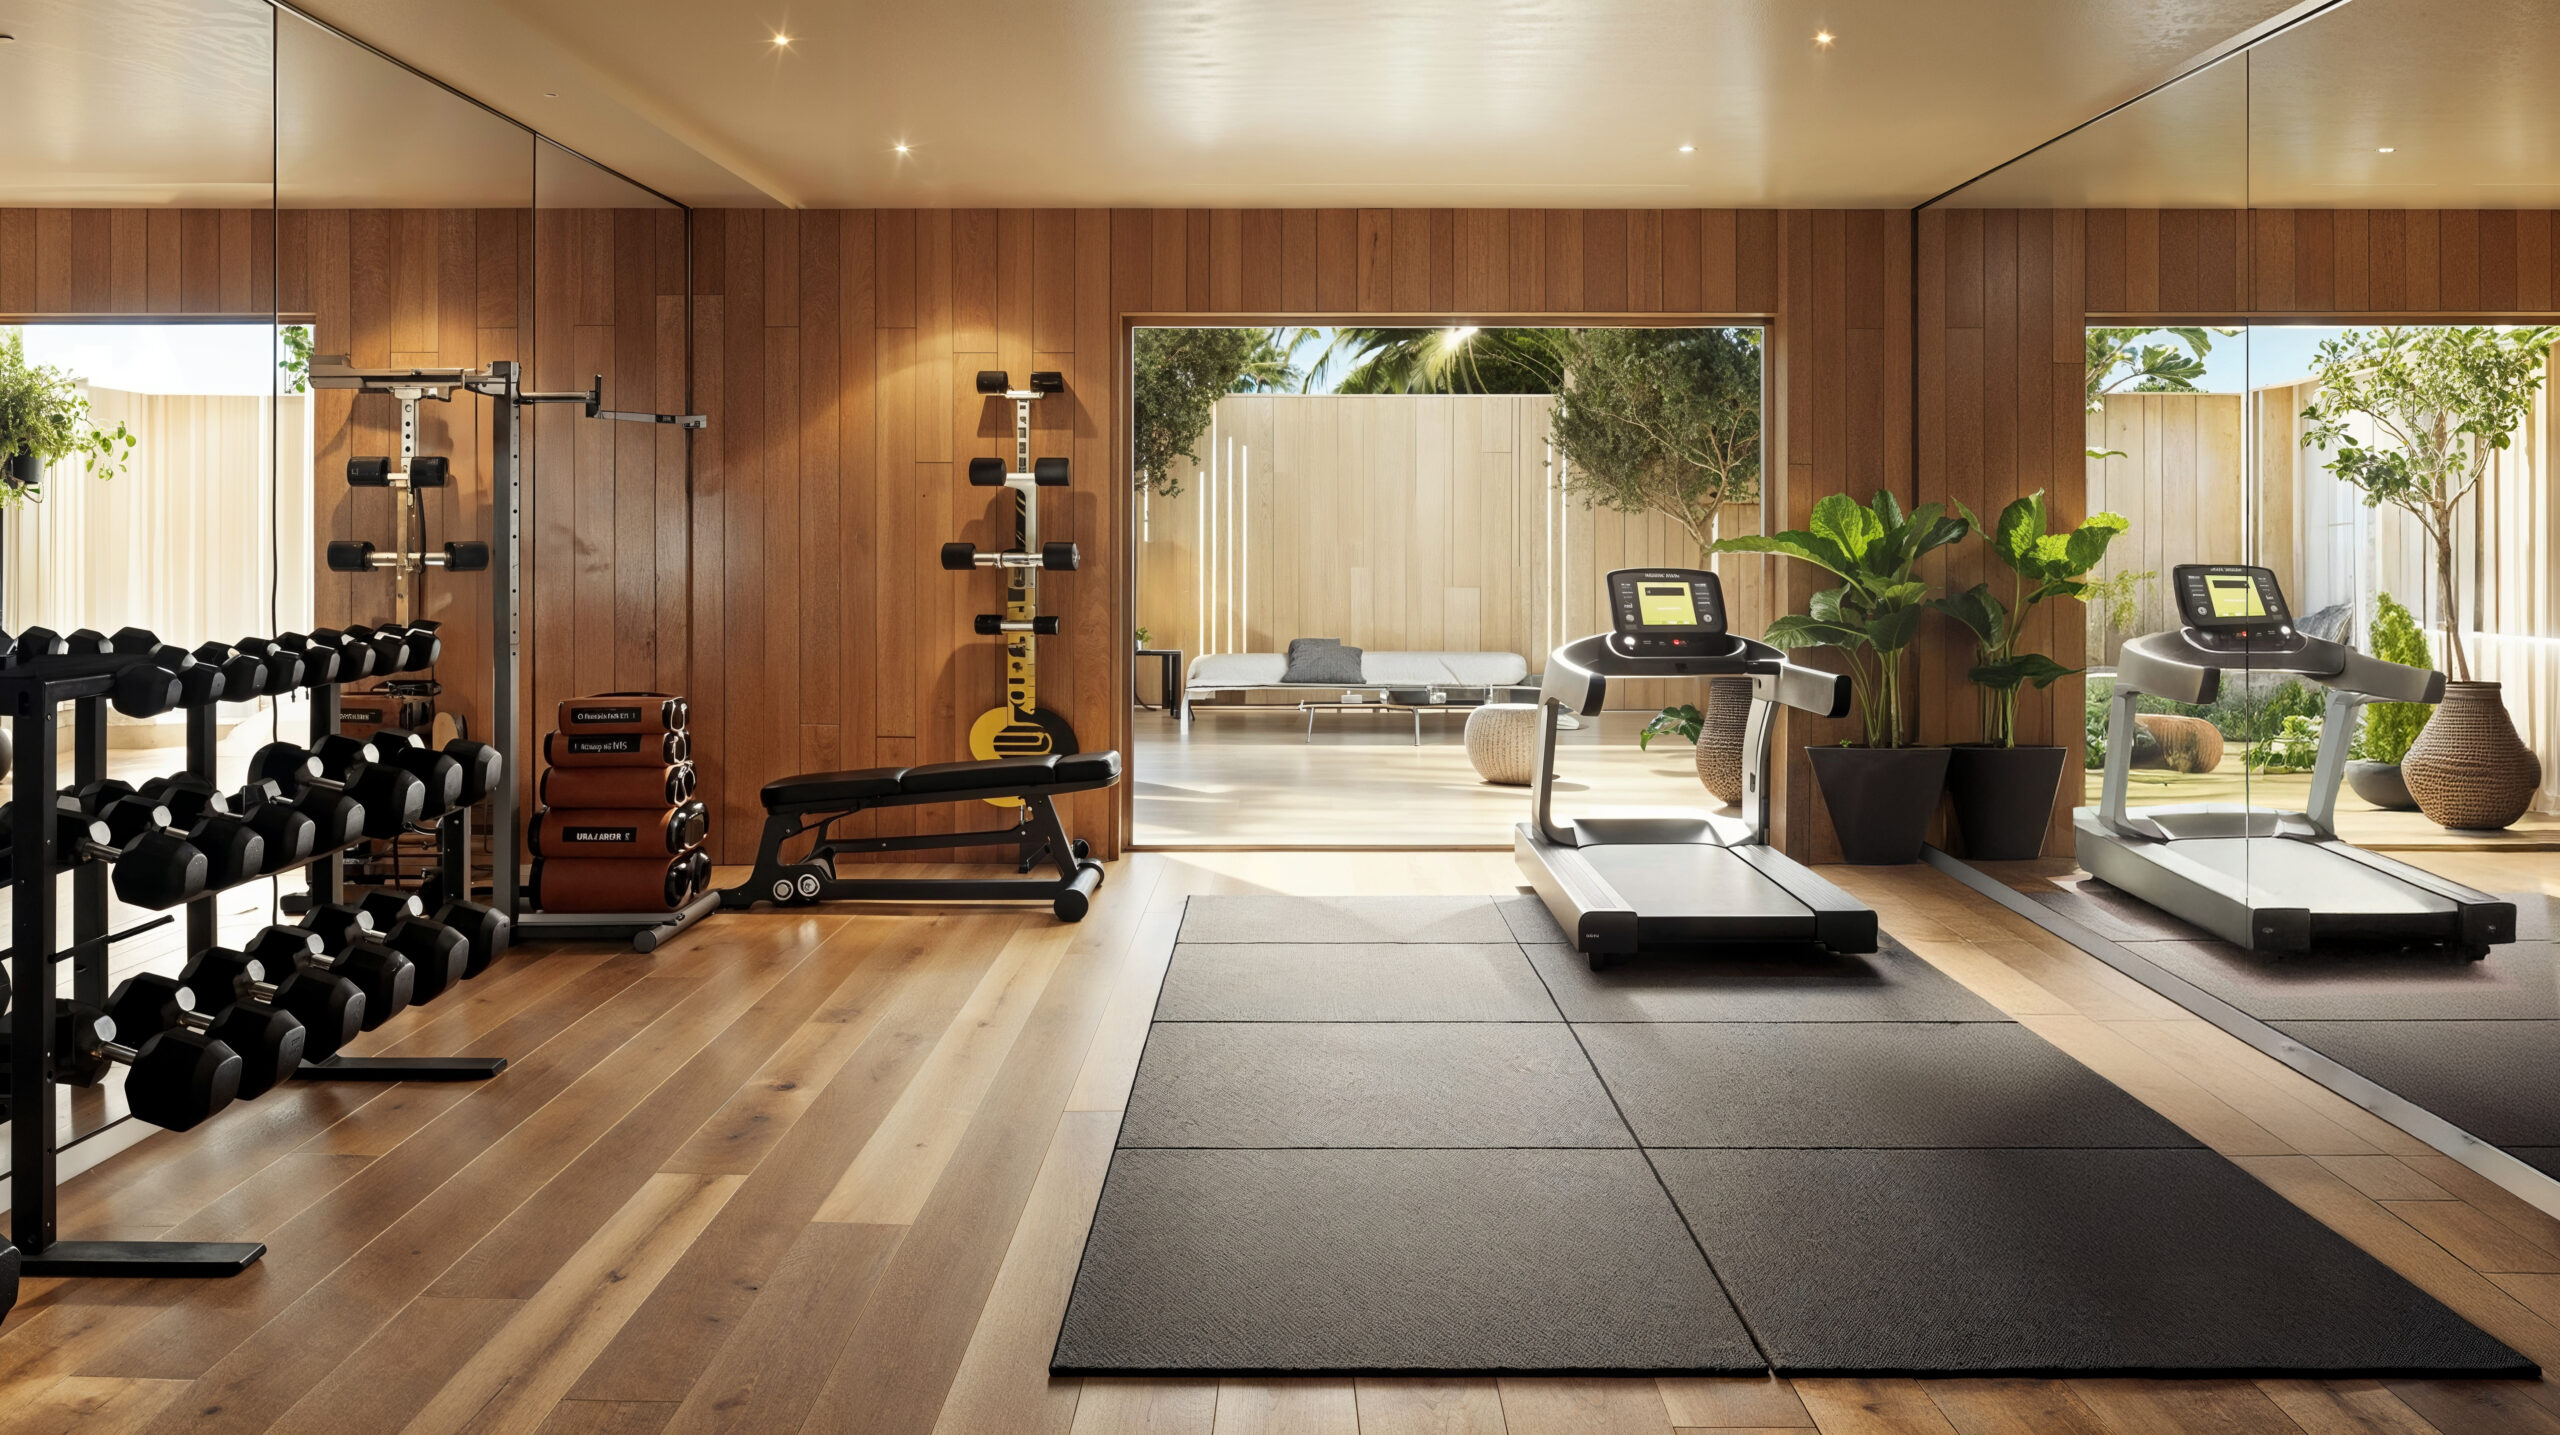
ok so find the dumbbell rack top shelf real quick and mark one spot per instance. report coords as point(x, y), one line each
point(502, 382)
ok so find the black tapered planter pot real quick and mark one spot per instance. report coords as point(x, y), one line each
point(2003, 798)
point(1880, 799)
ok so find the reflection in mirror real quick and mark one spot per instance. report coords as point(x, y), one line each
point(2184, 146)
point(609, 283)
point(405, 211)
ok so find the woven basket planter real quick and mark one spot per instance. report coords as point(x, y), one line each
point(1720, 737)
point(2468, 768)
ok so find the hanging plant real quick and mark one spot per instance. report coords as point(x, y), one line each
point(45, 420)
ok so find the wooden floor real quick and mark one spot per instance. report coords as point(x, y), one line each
point(1256, 779)
point(832, 1173)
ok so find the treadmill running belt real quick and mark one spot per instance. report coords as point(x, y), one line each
point(1683, 881)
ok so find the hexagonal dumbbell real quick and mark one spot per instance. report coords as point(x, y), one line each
point(232, 852)
point(268, 1042)
point(441, 954)
point(173, 1079)
point(392, 799)
point(330, 1007)
point(339, 939)
point(155, 869)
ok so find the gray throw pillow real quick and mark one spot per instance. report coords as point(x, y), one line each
point(1321, 660)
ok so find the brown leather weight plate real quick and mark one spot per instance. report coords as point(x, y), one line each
point(604, 884)
point(621, 832)
point(615, 786)
point(615, 749)
point(623, 712)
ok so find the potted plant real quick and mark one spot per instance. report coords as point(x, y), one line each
point(2389, 728)
point(1716, 736)
point(2004, 793)
point(1880, 795)
point(2433, 405)
point(44, 419)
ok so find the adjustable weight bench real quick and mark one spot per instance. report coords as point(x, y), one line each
point(814, 802)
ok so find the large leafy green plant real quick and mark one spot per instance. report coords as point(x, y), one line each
point(43, 412)
point(2441, 401)
point(1874, 615)
point(2041, 565)
point(1181, 375)
point(2389, 728)
point(1661, 421)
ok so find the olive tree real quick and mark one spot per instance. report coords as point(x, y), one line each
point(1661, 421)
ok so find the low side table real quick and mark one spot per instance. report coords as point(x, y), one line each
point(1169, 682)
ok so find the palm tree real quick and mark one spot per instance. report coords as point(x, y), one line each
point(1459, 360)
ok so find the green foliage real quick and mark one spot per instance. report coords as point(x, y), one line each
point(2118, 357)
point(1142, 637)
point(2389, 728)
point(1683, 722)
point(296, 363)
point(2293, 748)
point(1874, 615)
point(1462, 360)
point(2042, 565)
point(2441, 401)
point(1181, 375)
point(1660, 420)
point(2118, 600)
point(43, 412)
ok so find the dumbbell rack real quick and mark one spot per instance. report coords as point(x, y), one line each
point(34, 696)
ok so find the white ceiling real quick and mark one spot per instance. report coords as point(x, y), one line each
point(1338, 102)
point(1210, 102)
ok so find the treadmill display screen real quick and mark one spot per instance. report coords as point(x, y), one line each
point(2228, 596)
point(1665, 605)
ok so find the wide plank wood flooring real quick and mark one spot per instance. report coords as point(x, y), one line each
point(831, 1171)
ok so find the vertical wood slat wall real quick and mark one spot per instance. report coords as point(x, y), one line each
point(604, 556)
point(2003, 295)
point(833, 351)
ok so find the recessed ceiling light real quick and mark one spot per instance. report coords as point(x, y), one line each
point(1822, 37)
point(781, 39)
point(900, 147)
point(551, 94)
point(2387, 149)
point(1688, 149)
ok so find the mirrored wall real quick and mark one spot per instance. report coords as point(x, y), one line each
point(2311, 284)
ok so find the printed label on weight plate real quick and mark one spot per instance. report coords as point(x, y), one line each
point(604, 714)
point(600, 834)
point(601, 746)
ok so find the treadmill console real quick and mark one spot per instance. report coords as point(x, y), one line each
point(2233, 607)
point(1666, 613)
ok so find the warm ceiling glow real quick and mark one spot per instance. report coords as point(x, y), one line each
point(1688, 149)
point(2387, 149)
point(1822, 37)
point(781, 39)
point(900, 147)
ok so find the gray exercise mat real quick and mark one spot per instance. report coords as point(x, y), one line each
point(1367, 1084)
point(1393, 1261)
point(1530, 922)
point(1802, 984)
point(2064, 1262)
point(2498, 1080)
point(1352, 981)
point(1897, 1084)
point(1258, 917)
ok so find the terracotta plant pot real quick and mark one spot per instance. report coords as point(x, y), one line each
point(2003, 798)
point(2468, 768)
point(2381, 784)
point(2187, 744)
point(1720, 737)
point(1880, 799)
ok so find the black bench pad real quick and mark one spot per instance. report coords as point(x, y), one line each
point(959, 779)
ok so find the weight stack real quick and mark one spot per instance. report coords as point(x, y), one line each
point(617, 828)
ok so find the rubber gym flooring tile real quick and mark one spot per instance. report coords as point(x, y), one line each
point(1263, 918)
point(1530, 922)
point(1352, 981)
point(1367, 1084)
point(2498, 1080)
point(1252, 1262)
point(1786, 984)
point(1869, 1084)
point(2127, 1262)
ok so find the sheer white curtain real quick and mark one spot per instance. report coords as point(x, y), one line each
point(183, 541)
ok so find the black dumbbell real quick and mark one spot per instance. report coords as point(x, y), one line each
point(142, 688)
point(286, 668)
point(330, 1008)
point(244, 675)
point(440, 776)
point(353, 660)
point(193, 802)
point(155, 870)
point(197, 683)
point(390, 646)
point(441, 954)
point(173, 1079)
point(337, 947)
point(337, 820)
point(232, 852)
point(268, 1042)
point(481, 768)
point(485, 928)
point(419, 647)
point(391, 798)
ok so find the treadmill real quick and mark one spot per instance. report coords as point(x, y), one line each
point(1622, 885)
point(2263, 880)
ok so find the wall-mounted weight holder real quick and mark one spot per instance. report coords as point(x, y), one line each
point(415, 471)
point(1018, 727)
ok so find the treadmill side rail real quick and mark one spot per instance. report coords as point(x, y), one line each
point(2486, 920)
point(1593, 915)
point(1840, 921)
